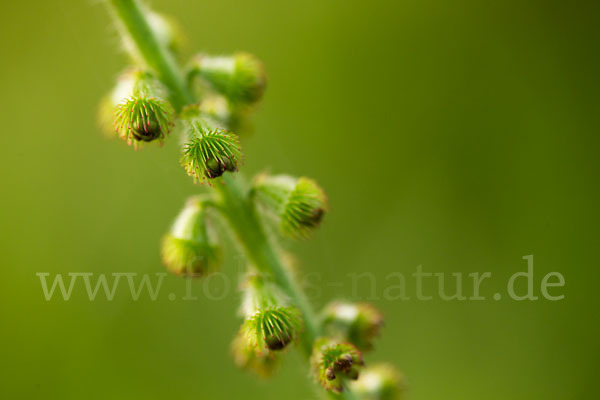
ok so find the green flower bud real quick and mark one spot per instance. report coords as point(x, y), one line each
point(209, 152)
point(298, 203)
point(141, 112)
point(334, 363)
point(269, 323)
point(380, 382)
point(358, 323)
point(273, 327)
point(240, 78)
point(187, 249)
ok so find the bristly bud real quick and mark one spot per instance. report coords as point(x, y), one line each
point(240, 78)
point(141, 113)
point(209, 150)
point(380, 382)
point(187, 249)
point(334, 363)
point(358, 323)
point(298, 203)
point(269, 323)
point(273, 327)
point(261, 361)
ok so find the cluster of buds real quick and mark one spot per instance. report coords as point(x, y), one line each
point(352, 328)
point(298, 204)
point(270, 325)
point(334, 363)
point(188, 249)
point(140, 110)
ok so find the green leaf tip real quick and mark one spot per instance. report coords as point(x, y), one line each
point(187, 249)
point(334, 363)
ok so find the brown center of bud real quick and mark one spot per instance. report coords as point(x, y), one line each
point(278, 342)
point(214, 169)
point(146, 130)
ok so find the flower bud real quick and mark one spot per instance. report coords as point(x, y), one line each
point(334, 363)
point(187, 249)
point(141, 112)
point(358, 323)
point(240, 77)
point(380, 382)
point(209, 152)
point(273, 327)
point(298, 203)
point(270, 324)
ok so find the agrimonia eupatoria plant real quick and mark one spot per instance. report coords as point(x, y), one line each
point(209, 102)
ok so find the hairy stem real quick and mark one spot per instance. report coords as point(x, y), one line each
point(241, 215)
point(135, 25)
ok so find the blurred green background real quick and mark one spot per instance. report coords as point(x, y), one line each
point(457, 135)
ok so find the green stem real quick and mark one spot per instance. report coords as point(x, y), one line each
point(241, 214)
point(135, 25)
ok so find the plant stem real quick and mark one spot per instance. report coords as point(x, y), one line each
point(240, 212)
point(136, 26)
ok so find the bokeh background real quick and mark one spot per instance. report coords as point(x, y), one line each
point(458, 135)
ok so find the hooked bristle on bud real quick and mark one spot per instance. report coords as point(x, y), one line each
point(380, 382)
point(334, 363)
point(298, 203)
point(260, 361)
point(240, 78)
point(209, 152)
point(187, 249)
point(141, 112)
point(358, 323)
